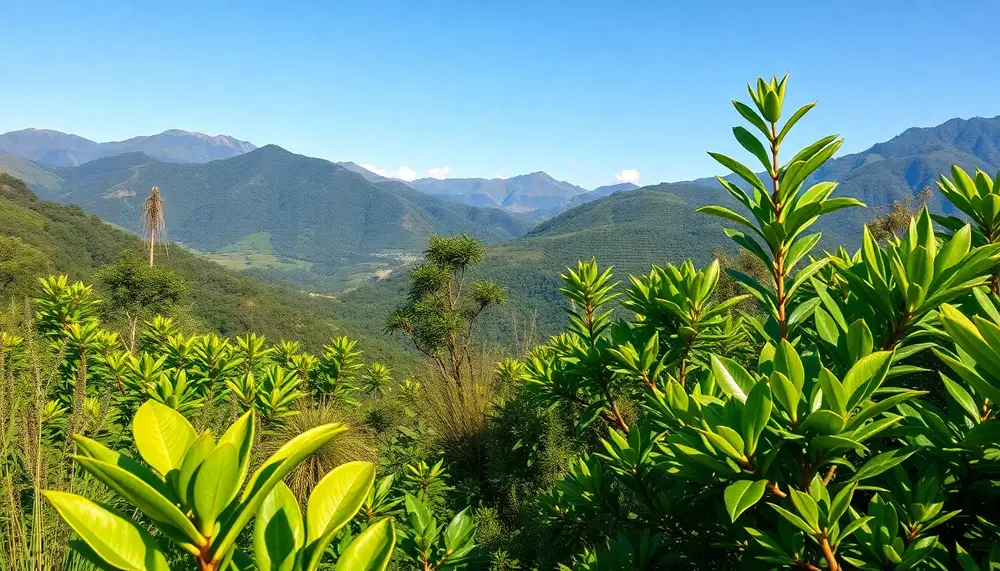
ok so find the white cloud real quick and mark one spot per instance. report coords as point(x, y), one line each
point(405, 173)
point(402, 173)
point(571, 162)
point(439, 172)
point(628, 175)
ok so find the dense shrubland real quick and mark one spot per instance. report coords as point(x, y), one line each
point(785, 409)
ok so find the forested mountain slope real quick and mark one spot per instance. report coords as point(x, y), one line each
point(39, 237)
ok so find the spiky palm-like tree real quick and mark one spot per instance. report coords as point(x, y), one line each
point(155, 228)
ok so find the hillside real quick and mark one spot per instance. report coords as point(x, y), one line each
point(630, 230)
point(304, 210)
point(39, 237)
point(54, 148)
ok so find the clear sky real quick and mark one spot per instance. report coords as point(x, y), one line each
point(580, 89)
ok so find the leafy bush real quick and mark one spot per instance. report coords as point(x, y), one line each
point(191, 491)
point(807, 451)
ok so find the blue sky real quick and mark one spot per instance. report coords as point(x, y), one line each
point(582, 90)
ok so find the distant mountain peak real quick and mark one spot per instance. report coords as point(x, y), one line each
point(56, 148)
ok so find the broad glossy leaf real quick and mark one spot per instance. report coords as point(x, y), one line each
point(419, 516)
point(752, 116)
point(788, 363)
point(215, 486)
point(806, 507)
point(841, 502)
point(754, 146)
point(880, 463)
point(113, 537)
point(742, 495)
point(726, 380)
point(794, 119)
point(241, 435)
point(278, 531)
point(151, 501)
point(859, 340)
point(195, 455)
point(786, 394)
point(726, 213)
point(333, 503)
point(272, 471)
point(756, 414)
point(371, 549)
point(741, 170)
point(793, 519)
point(823, 423)
point(162, 436)
point(460, 532)
point(865, 376)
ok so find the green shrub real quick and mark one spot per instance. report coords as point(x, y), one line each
point(191, 491)
point(808, 451)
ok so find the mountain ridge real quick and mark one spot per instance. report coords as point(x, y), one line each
point(312, 209)
point(55, 148)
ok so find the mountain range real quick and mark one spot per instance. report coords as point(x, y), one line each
point(536, 195)
point(58, 149)
point(330, 214)
point(304, 208)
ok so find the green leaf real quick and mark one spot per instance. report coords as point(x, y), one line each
point(241, 435)
point(967, 336)
point(726, 380)
point(800, 249)
point(823, 423)
point(785, 393)
point(272, 471)
point(149, 499)
point(418, 515)
point(859, 340)
point(833, 391)
point(728, 214)
point(742, 495)
point(772, 107)
point(751, 115)
point(461, 531)
point(788, 363)
point(794, 119)
point(195, 455)
point(881, 406)
point(333, 503)
point(841, 502)
point(371, 550)
point(589, 415)
point(865, 376)
point(806, 507)
point(114, 538)
point(756, 414)
point(754, 146)
point(853, 526)
point(215, 486)
point(985, 434)
point(970, 376)
point(880, 463)
point(793, 519)
point(741, 170)
point(162, 436)
point(962, 398)
point(277, 531)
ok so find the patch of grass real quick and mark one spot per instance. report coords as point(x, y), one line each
point(257, 242)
